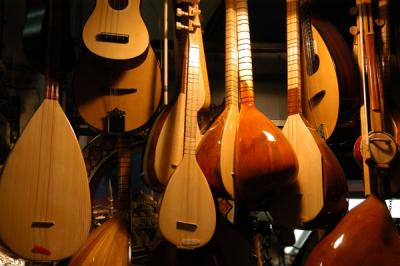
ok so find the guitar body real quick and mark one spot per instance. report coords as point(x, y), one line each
point(322, 183)
point(44, 192)
point(365, 236)
point(187, 212)
point(115, 30)
point(106, 245)
point(215, 153)
point(265, 162)
point(135, 90)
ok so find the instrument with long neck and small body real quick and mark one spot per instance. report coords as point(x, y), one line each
point(164, 148)
point(265, 163)
point(329, 76)
point(322, 184)
point(215, 153)
point(115, 30)
point(109, 244)
point(44, 191)
point(187, 213)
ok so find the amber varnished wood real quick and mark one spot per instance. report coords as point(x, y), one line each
point(365, 236)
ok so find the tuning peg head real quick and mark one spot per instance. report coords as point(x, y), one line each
point(180, 26)
point(354, 30)
point(353, 11)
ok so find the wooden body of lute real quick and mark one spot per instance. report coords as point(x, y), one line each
point(265, 163)
point(322, 183)
point(215, 153)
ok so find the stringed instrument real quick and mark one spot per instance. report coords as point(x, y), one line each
point(215, 153)
point(329, 76)
point(44, 191)
point(115, 30)
point(366, 236)
point(322, 183)
point(265, 163)
point(164, 147)
point(109, 244)
point(187, 213)
point(109, 95)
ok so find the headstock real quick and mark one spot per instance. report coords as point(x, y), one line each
point(189, 14)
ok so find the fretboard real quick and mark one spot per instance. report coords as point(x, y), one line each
point(124, 166)
point(293, 57)
point(231, 55)
point(384, 12)
point(244, 53)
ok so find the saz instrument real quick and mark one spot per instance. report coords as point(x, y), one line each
point(265, 162)
point(215, 153)
point(365, 236)
point(329, 76)
point(115, 30)
point(109, 244)
point(322, 183)
point(114, 98)
point(187, 213)
point(164, 147)
point(44, 191)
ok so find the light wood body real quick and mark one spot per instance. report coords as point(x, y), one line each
point(107, 245)
point(365, 236)
point(45, 180)
point(94, 98)
point(127, 21)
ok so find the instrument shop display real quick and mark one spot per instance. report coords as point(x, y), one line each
point(189, 132)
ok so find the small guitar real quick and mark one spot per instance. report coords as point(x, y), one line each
point(44, 190)
point(187, 213)
point(116, 30)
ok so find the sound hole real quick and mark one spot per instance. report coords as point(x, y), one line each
point(118, 4)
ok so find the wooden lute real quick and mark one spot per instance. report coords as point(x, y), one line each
point(265, 163)
point(44, 191)
point(187, 213)
point(109, 244)
point(115, 30)
point(215, 153)
point(164, 147)
point(322, 183)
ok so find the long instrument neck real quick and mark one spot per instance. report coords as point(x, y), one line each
point(307, 37)
point(124, 166)
point(293, 57)
point(231, 55)
point(384, 14)
point(244, 53)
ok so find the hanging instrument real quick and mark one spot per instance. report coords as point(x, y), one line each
point(187, 213)
point(322, 184)
point(44, 191)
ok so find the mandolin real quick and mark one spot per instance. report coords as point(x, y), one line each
point(118, 98)
point(215, 153)
point(265, 163)
point(365, 236)
point(109, 244)
point(329, 76)
point(115, 30)
point(187, 213)
point(322, 183)
point(44, 191)
point(164, 147)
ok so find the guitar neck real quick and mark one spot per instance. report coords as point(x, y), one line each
point(231, 58)
point(384, 11)
point(244, 53)
point(124, 165)
point(307, 37)
point(293, 57)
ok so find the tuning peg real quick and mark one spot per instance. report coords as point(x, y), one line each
point(354, 30)
point(180, 26)
point(353, 11)
point(180, 12)
point(380, 22)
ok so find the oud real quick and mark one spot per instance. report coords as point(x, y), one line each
point(322, 184)
point(187, 213)
point(115, 30)
point(44, 191)
point(265, 162)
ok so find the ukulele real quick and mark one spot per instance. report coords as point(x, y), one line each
point(44, 191)
point(329, 76)
point(265, 163)
point(117, 98)
point(187, 213)
point(322, 183)
point(164, 147)
point(109, 244)
point(115, 30)
point(215, 153)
